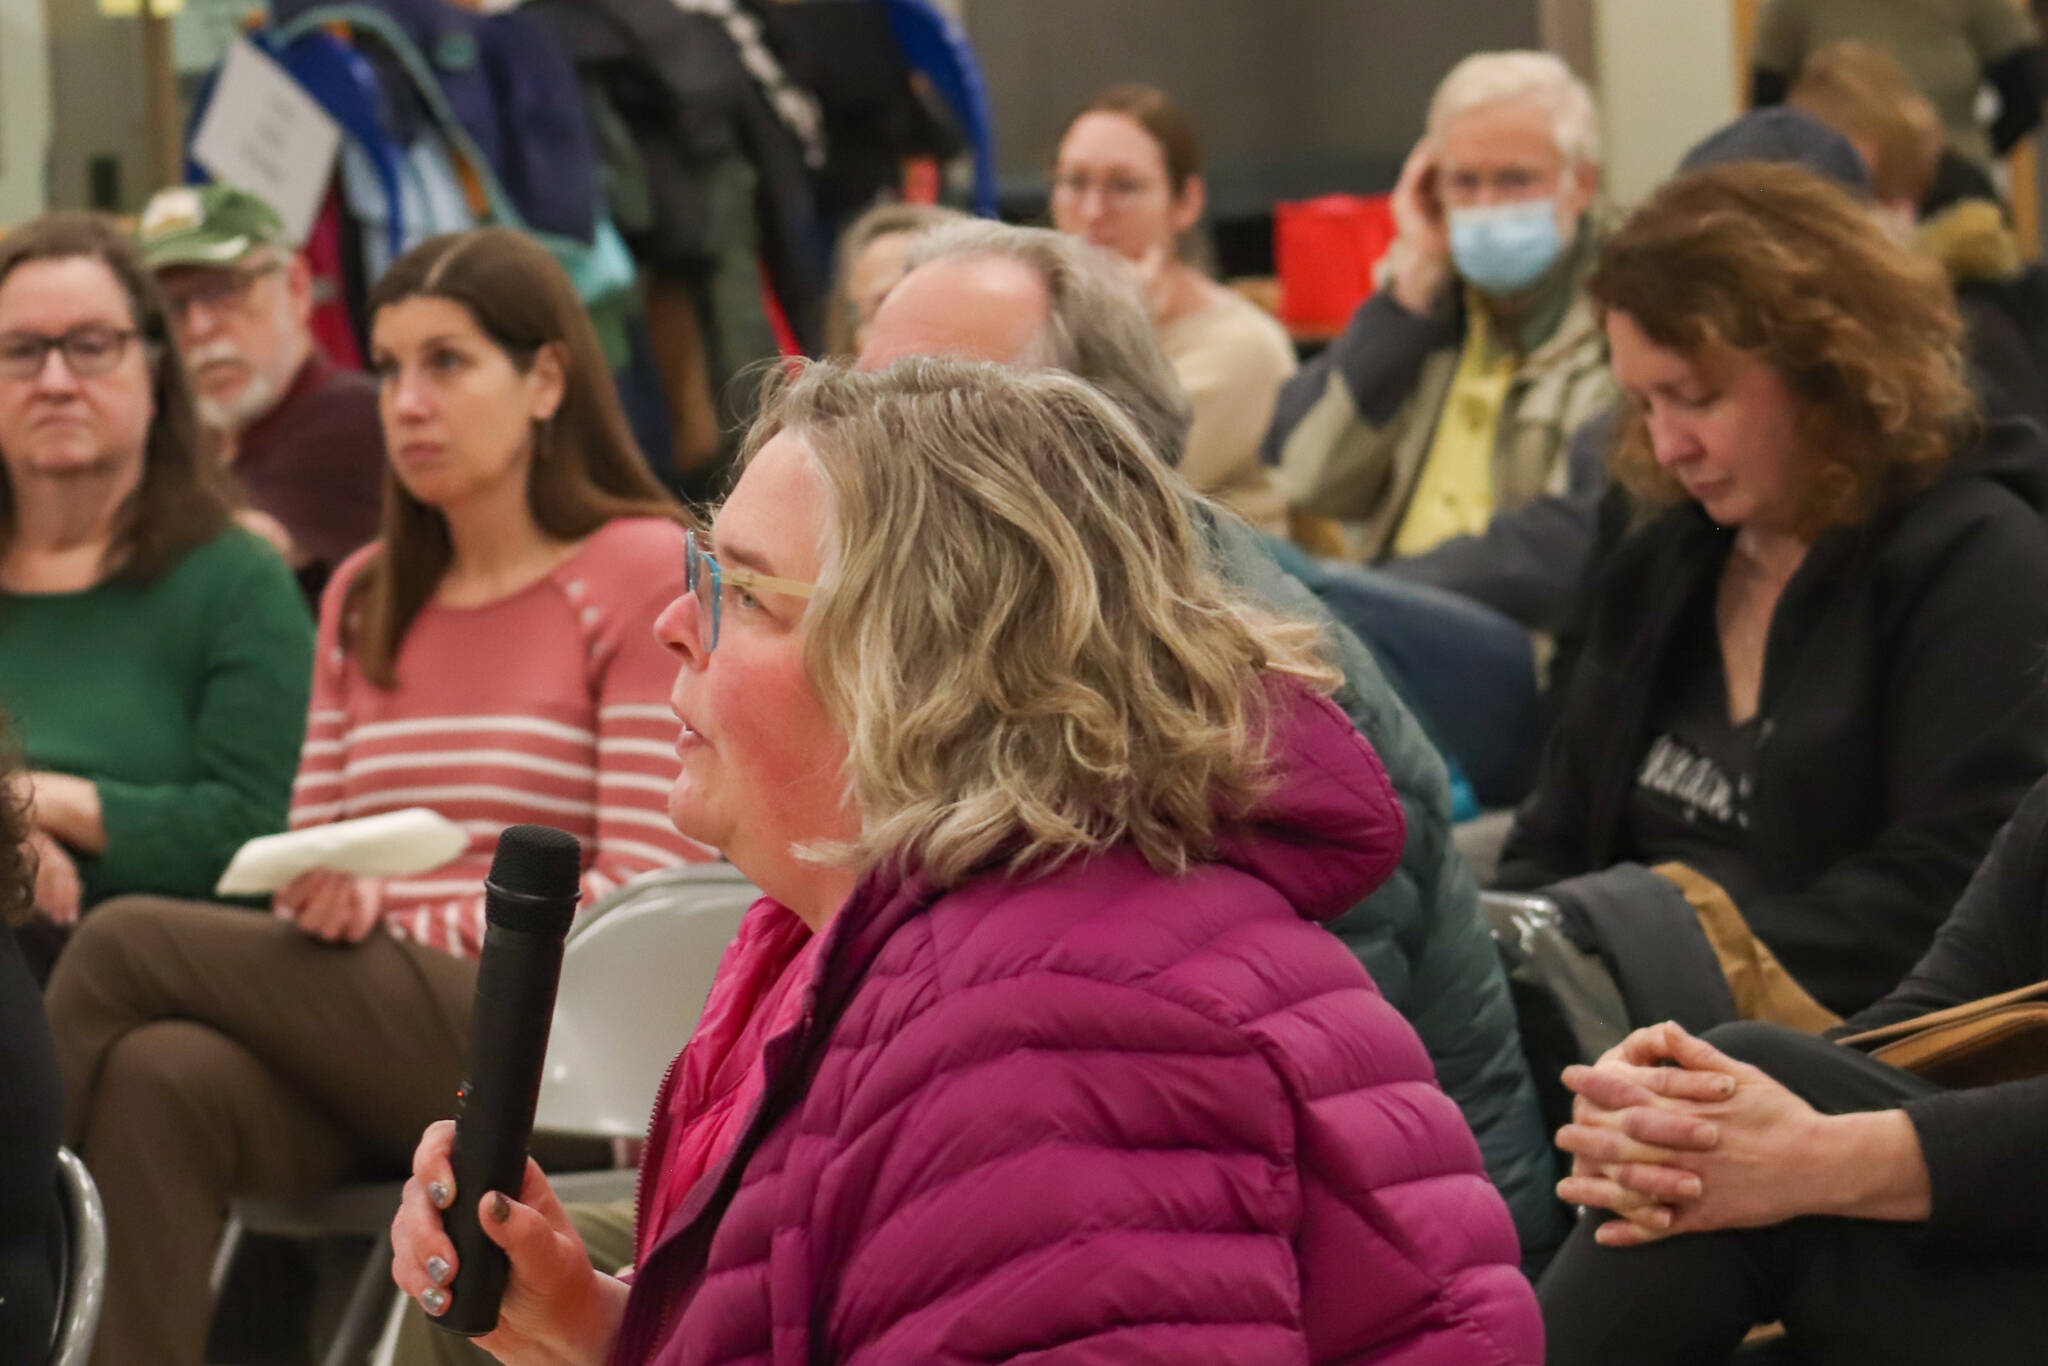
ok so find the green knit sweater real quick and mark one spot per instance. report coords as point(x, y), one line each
point(183, 699)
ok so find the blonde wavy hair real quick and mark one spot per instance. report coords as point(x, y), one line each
point(1773, 262)
point(1017, 625)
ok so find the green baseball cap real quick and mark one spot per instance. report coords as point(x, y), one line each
point(206, 225)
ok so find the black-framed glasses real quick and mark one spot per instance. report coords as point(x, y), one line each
point(215, 290)
point(707, 581)
point(89, 350)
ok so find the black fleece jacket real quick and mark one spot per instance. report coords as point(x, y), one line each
point(1904, 714)
point(1983, 1146)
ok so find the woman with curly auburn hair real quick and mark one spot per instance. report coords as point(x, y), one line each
point(1812, 664)
point(1033, 1046)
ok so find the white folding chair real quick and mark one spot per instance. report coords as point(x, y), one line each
point(82, 1224)
point(635, 971)
point(635, 974)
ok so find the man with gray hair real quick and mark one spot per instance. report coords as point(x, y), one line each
point(1032, 297)
point(1451, 394)
point(300, 434)
point(1436, 429)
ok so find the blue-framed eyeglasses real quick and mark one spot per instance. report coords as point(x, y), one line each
point(707, 581)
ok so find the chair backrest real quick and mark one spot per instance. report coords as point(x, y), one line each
point(83, 1225)
point(1566, 1001)
point(635, 972)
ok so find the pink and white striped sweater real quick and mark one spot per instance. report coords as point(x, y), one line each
point(549, 706)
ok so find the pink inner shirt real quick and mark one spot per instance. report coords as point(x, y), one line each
point(758, 993)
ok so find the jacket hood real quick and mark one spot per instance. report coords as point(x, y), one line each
point(1331, 831)
point(2012, 451)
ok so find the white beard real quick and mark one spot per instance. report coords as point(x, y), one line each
point(258, 396)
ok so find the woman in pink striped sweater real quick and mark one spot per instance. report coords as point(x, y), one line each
point(491, 657)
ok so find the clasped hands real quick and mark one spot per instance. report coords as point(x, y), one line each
point(1674, 1136)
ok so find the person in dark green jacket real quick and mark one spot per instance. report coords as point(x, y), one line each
point(154, 657)
point(1030, 296)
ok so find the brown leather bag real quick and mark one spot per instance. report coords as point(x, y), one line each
point(1762, 988)
point(1978, 1043)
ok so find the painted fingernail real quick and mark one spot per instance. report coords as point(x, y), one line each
point(433, 1301)
point(437, 1270)
point(501, 1208)
point(438, 1193)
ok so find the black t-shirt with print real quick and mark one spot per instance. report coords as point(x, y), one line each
point(1690, 803)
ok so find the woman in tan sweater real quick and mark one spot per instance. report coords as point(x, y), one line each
point(1129, 179)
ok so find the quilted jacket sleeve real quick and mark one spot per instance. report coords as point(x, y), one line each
point(1061, 1169)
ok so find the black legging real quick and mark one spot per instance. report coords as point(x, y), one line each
point(1847, 1290)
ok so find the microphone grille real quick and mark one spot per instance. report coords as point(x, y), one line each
point(537, 860)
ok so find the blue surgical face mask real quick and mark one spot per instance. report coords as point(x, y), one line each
point(1505, 248)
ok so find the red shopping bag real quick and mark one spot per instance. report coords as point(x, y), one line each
point(1324, 251)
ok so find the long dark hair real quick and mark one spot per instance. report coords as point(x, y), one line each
point(185, 498)
point(586, 467)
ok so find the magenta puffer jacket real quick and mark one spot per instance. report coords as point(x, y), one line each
point(1104, 1116)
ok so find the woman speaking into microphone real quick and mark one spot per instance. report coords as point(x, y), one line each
point(1034, 1044)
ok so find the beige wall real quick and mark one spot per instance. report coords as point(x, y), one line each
point(99, 102)
point(1666, 79)
point(24, 110)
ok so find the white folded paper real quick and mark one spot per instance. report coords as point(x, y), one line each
point(391, 844)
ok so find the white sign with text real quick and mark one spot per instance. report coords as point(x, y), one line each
point(263, 133)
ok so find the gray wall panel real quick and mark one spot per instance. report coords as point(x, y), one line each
point(1292, 96)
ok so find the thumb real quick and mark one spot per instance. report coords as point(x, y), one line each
point(545, 1259)
point(519, 1229)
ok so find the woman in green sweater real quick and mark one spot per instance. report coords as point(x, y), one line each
point(155, 658)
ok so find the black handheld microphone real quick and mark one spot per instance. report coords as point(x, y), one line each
point(529, 900)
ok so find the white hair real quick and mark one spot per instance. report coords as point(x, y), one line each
point(1494, 77)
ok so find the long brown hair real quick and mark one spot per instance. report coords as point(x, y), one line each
point(1773, 262)
point(185, 498)
point(586, 467)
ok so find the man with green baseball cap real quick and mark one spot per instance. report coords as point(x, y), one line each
point(207, 225)
point(301, 434)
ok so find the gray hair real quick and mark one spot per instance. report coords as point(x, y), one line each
point(1495, 77)
point(1099, 327)
point(879, 221)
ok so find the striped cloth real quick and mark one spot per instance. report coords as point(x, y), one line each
point(548, 707)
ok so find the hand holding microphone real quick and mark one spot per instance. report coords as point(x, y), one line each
point(529, 900)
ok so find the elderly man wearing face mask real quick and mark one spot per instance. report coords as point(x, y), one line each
point(300, 434)
point(1451, 393)
point(1445, 409)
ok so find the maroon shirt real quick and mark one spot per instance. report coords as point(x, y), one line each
point(315, 462)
